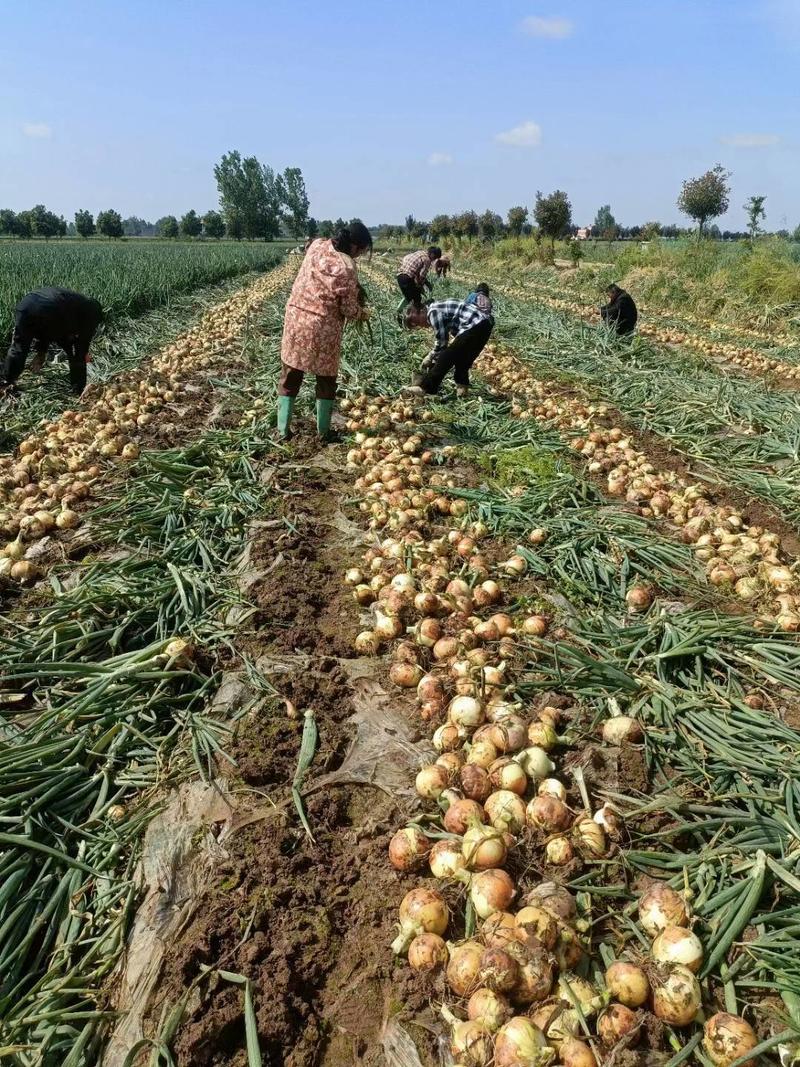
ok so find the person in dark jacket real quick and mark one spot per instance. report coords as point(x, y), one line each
point(620, 312)
point(53, 316)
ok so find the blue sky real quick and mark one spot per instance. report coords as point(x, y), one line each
point(397, 107)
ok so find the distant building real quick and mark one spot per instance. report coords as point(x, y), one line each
point(584, 233)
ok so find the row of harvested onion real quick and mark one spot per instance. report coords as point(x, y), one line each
point(748, 560)
point(55, 469)
point(434, 599)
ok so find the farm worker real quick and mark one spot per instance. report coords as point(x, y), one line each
point(325, 293)
point(480, 298)
point(620, 312)
point(413, 276)
point(53, 316)
point(442, 266)
point(468, 324)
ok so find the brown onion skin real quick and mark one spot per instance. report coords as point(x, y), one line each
point(549, 814)
point(497, 1004)
point(499, 971)
point(427, 953)
point(462, 814)
point(403, 855)
point(575, 1053)
point(726, 1037)
point(535, 926)
point(627, 983)
point(475, 783)
point(535, 977)
point(464, 967)
point(499, 929)
point(617, 1022)
point(555, 899)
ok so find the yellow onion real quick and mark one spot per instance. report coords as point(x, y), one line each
point(549, 814)
point(431, 780)
point(499, 929)
point(506, 773)
point(23, 571)
point(67, 519)
point(506, 811)
point(483, 847)
point(482, 753)
point(675, 944)
point(405, 675)
point(463, 968)
point(535, 925)
point(568, 951)
point(559, 851)
point(490, 1008)
point(621, 728)
point(427, 632)
point(451, 761)
point(616, 1022)
point(535, 974)
point(660, 907)
point(422, 911)
point(542, 735)
point(466, 711)
point(590, 837)
point(551, 787)
point(471, 1044)
point(462, 814)
point(639, 597)
point(367, 643)
point(353, 576)
point(676, 995)
point(555, 900)
point(520, 1044)
point(491, 891)
point(427, 952)
point(575, 1053)
point(535, 762)
point(447, 737)
point(509, 734)
point(627, 983)
point(535, 625)
point(728, 1037)
point(499, 971)
point(408, 849)
point(515, 565)
point(446, 859)
point(475, 782)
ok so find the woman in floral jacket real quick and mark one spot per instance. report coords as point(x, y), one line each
point(325, 294)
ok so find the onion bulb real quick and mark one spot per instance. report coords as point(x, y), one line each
point(549, 814)
point(542, 735)
point(555, 899)
point(590, 837)
point(676, 944)
point(506, 811)
point(627, 983)
point(622, 728)
point(490, 1008)
point(499, 970)
point(466, 711)
point(535, 976)
point(551, 787)
point(506, 773)
point(447, 737)
point(616, 1022)
point(405, 675)
point(463, 968)
point(446, 859)
point(728, 1037)
point(639, 597)
point(431, 780)
point(471, 1044)
point(660, 907)
point(515, 565)
point(676, 996)
point(367, 643)
point(427, 952)
point(575, 1053)
point(482, 753)
point(462, 814)
point(535, 626)
point(483, 847)
point(408, 849)
point(535, 925)
point(499, 929)
point(475, 782)
point(535, 762)
point(422, 911)
point(520, 1044)
point(491, 891)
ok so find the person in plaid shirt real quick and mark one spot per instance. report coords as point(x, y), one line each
point(469, 324)
point(413, 276)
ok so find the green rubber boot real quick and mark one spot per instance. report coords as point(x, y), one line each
point(285, 409)
point(324, 415)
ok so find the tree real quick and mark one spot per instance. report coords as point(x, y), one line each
point(517, 217)
point(312, 227)
point(553, 214)
point(576, 252)
point(651, 230)
point(293, 200)
point(440, 226)
point(326, 228)
point(84, 223)
point(109, 223)
point(411, 223)
point(249, 195)
point(191, 224)
point(490, 225)
point(755, 213)
point(706, 197)
point(605, 225)
point(9, 222)
point(136, 227)
point(213, 224)
point(466, 224)
point(167, 226)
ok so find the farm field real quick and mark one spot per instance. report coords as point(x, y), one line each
point(477, 729)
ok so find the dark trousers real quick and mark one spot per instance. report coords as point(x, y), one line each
point(410, 290)
point(292, 379)
point(18, 355)
point(459, 355)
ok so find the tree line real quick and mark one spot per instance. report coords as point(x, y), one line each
point(255, 203)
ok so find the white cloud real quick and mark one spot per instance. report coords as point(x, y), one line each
point(750, 140)
point(440, 159)
point(37, 129)
point(555, 28)
point(526, 135)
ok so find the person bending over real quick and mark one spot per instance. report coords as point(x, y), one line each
point(53, 316)
point(470, 329)
point(620, 312)
point(442, 266)
point(413, 276)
